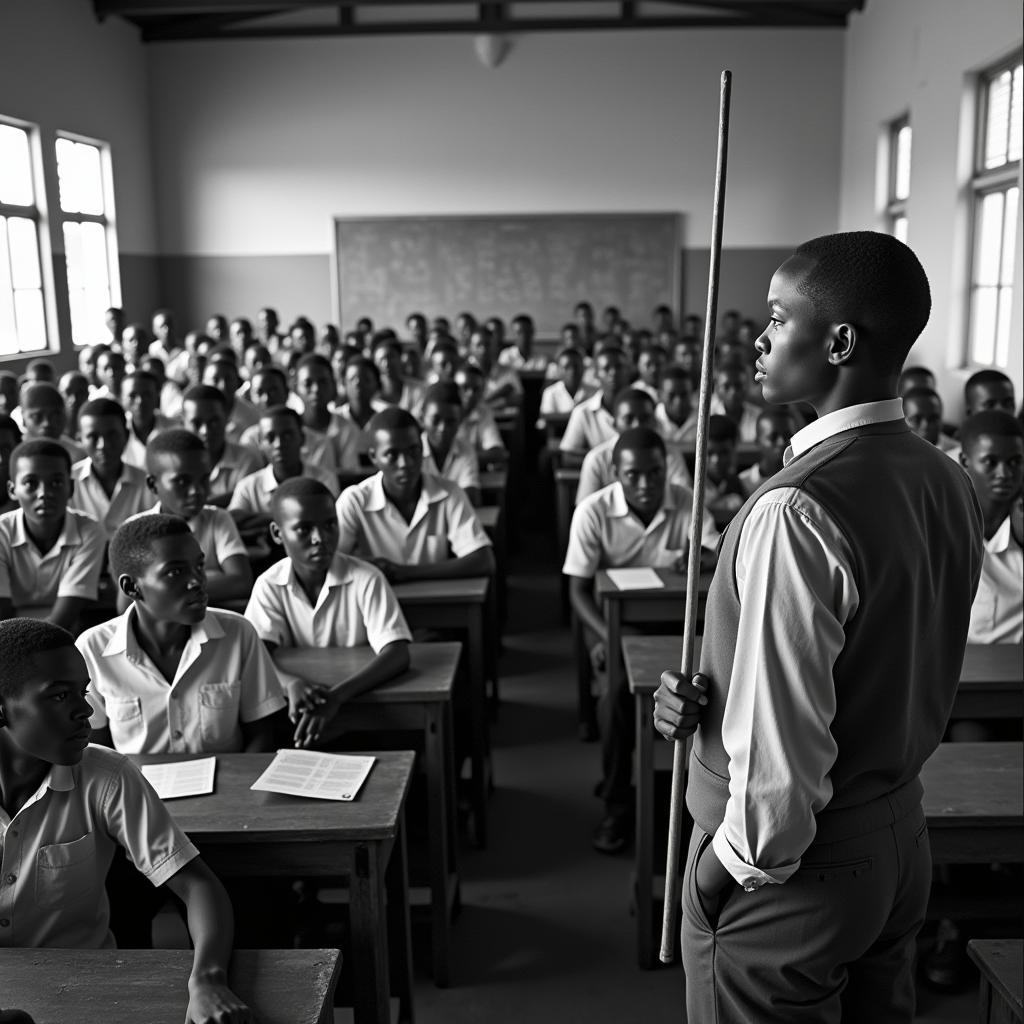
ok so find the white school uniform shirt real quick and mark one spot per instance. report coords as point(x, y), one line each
point(242, 416)
point(131, 495)
point(674, 433)
point(556, 400)
point(216, 533)
point(589, 424)
point(498, 378)
point(236, 463)
point(598, 470)
point(254, 492)
point(363, 438)
point(604, 533)
point(747, 426)
point(336, 448)
point(997, 615)
point(71, 568)
point(460, 465)
point(56, 851)
point(134, 453)
point(225, 677)
point(444, 524)
point(479, 430)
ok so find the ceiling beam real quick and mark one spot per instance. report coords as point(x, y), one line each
point(206, 26)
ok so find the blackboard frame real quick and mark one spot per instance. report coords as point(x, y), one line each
point(673, 258)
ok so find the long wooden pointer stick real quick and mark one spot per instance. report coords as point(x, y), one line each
point(668, 927)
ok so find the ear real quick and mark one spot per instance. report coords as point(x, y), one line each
point(275, 534)
point(10, 490)
point(128, 587)
point(151, 484)
point(842, 342)
point(963, 458)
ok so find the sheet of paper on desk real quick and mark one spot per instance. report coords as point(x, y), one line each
point(635, 579)
point(181, 778)
point(308, 773)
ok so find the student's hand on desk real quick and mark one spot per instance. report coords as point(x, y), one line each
point(211, 1002)
point(304, 697)
point(679, 704)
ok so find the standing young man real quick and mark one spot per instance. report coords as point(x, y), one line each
point(834, 631)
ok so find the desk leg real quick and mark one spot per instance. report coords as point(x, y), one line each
point(645, 830)
point(400, 945)
point(439, 780)
point(479, 750)
point(369, 936)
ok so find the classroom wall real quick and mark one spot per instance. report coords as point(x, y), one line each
point(61, 69)
point(918, 56)
point(259, 144)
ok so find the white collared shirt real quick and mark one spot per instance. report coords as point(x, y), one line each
point(479, 430)
point(56, 851)
point(242, 416)
point(605, 534)
point(236, 463)
point(134, 453)
point(224, 677)
point(71, 568)
point(216, 533)
point(460, 465)
point(131, 495)
point(254, 492)
point(555, 398)
point(589, 424)
point(674, 433)
point(997, 615)
point(790, 556)
point(336, 448)
point(598, 469)
point(444, 524)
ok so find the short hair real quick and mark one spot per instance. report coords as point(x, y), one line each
point(298, 487)
point(675, 372)
point(45, 367)
point(638, 439)
point(609, 347)
point(982, 377)
point(42, 394)
point(444, 392)
point(314, 359)
point(721, 428)
point(921, 393)
point(449, 348)
point(990, 423)
point(281, 410)
point(103, 407)
point(273, 370)
point(914, 371)
point(394, 417)
point(22, 639)
point(6, 423)
point(390, 343)
point(131, 547)
point(570, 352)
point(40, 447)
point(364, 364)
point(523, 319)
point(873, 281)
point(175, 441)
point(205, 393)
point(143, 375)
point(6, 377)
point(632, 395)
point(221, 351)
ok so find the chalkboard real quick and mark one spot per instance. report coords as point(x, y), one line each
point(389, 267)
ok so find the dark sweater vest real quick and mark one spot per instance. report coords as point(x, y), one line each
point(914, 526)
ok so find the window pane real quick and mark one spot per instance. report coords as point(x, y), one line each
point(94, 256)
point(15, 166)
point(8, 329)
point(73, 254)
point(997, 120)
point(24, 243)
point(899, 228)
point(990, 234)
point(80, 178)
point(1009, 236)
point(901, 180)
point(1002, 345)
point(983, 325)
point(28, 310)
point(85, 246)
point(1015, 115)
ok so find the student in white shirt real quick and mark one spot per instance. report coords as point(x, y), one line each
point(331, 440)
point(775, 429)
point(730, 398)
point(650, 365)
point(502, 387)
point(445, 454)
point(221, 372)
point(592, 421)
point(478, 427)
point(569, 391)
point(140, 396)
point(675, 418)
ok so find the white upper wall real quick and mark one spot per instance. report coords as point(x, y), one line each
point(918, 57)
point(258, 144)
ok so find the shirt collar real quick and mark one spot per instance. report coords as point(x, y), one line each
point(865, 414)
point(1000, 540)
point(618, 509)
point(376, 499)
point(123, 641)
point(69, 534)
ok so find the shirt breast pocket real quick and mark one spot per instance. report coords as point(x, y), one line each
point(218, 713)
point(66, 872)
point(124, 715)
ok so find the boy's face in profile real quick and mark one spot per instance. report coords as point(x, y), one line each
point(172, 587)
point(307, 529)
point(132, 344)
point(42, 485)
point(48, 716)
point(281, 441)
point(996, 467)
point(206, 419)
point(924, 417)
point(181, 482)
point(267, 389)
point(75, 390)
point(571, 371)
point(631, 413)
point(773, 436)
point(992, 395)
point(47, 420)
point(471, 387)
point(642, 475)
point(398, 454)
point(675, 396)
point(440, 423)
point(104, 438)
point(721, 460)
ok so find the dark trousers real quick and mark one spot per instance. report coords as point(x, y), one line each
point(835, 942)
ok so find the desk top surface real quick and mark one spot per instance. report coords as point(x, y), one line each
point(1002, 962)
point(235, 813)
point(993, 663)
point(430, 675)
point(674, 585)
point(72, 986)
point(470, 590)
point(966, 782)
point(647, 657)
point(489, 516)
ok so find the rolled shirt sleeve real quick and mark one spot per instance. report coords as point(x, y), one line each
point(261, 690)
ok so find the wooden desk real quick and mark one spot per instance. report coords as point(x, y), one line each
point(1001, 962)
point(461, 604)
point(83, 986)
point(247, 833)
point(493, 519)
point(990, 682)
point(419, 699)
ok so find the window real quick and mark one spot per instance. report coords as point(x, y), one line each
point(995, 195)
point(899, 178)
point(22, 316)
point(90, 242)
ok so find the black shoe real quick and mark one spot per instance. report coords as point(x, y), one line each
point(945, 968)
point(613, 834)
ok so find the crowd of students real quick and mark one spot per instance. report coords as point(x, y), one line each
point(177, 509)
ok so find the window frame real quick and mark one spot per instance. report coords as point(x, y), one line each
point(895, 206)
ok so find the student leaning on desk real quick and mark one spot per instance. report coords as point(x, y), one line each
point(67, 806)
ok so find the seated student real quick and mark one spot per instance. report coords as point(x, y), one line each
point(518, 352)
point(922, 409)
point(478, 428)
point(633, 408)
point(987, 390)
point(222, 373)
point(10, 438)
point(331, 440)
point(166, 347)
point(171, 675)
point(317, 597)
point(686, 354)
point(140, 394)
point(732, 378)
point(71, 805)
point(410, 524)
point(637, 521)
point(360, 383)
point(75, 389)
point(267, 387)
point(674, 418)
point(912, 377)
point(593, 421)
point(502, 387)
point(204, 412)
point(269, 322)
point(775, 428)
point(169, 402)
point(134, 345)
point(44, 416)
point(442, 360)
point(650, 365)
point(395, 387)
point(10, 395)
point(723, 491)
point(110, 371)
point(179, 472)
point(50, 555)
point(106, 487)
point(240, 335)
point(569, 390)
point(444, 453)
point(281, 440)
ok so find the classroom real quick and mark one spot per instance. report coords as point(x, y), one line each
point(365, 519)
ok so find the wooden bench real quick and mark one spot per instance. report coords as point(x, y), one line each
point(1001, 963)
